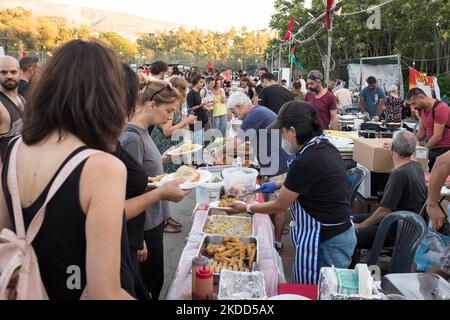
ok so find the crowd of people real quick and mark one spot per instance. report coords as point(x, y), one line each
point(104, 219)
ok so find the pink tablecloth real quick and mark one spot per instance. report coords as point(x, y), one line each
point(182, 281)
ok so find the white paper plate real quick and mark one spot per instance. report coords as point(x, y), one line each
point(155, 184)
point(205, 176)
point(289, 297)
point(176, 152)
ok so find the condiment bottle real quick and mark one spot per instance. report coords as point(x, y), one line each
point(197, 263)
point(204, 284)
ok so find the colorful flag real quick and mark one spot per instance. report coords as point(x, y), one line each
point(329, 6)
point(428, 84)
point(288, 35)
point(295, 59)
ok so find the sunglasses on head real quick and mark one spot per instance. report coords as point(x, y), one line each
point(168, 86)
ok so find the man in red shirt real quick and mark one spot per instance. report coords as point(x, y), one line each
point(323, 100)
point(434, 124)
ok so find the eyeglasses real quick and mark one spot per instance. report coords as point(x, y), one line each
point(168, 86)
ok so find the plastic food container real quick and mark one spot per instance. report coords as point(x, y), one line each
point(239, 182)
point(209, 192)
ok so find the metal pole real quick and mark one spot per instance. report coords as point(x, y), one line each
point(271, 65)
point(279, 57)
point(330, 42)
point(291, 70)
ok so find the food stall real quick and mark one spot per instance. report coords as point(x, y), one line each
point(268, 262)
point(237, 248)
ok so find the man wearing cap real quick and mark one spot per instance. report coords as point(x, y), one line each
point(266, 147)
point(372, 99)
point(323, 100)
point(316, 191)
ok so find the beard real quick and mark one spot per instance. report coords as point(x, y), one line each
point(314, 90)
point(421, 107)
point(10, 85)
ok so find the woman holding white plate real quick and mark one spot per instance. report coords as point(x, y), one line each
point(159, 99)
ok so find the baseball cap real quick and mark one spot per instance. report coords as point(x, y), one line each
point(290, 112)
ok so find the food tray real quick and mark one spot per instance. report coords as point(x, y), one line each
point(219, 240)
point(232, 232)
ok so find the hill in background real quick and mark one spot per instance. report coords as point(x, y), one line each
point(128, 26)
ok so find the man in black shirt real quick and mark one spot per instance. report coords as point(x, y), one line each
point(259, 87)
point(405, 190)
point(28, 68)
point(274, 96)
point(198, 107)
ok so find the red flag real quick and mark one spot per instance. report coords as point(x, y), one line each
point(287, 37)
point(329, 6)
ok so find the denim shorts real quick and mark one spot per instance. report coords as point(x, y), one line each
point(338, 251)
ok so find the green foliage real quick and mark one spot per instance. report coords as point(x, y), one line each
point(414, 29)
point(239, 48)
point(26, 33)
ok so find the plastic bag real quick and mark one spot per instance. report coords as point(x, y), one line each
point(430, 251)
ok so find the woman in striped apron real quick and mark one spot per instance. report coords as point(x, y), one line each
point(316, 191)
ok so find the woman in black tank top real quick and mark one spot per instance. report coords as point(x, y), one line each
point(63, 232)
point(78, 103)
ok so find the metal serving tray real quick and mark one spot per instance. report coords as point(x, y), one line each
point(229, 232)
point(219, 240)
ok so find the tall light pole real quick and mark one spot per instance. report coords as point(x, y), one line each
point(330, 41)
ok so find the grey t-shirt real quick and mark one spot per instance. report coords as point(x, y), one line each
point(405, 189)
point(141, 147)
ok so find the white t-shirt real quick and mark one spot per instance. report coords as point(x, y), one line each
point(344, 98)
point(303, 89)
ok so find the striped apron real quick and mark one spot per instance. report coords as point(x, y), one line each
point(305, 235)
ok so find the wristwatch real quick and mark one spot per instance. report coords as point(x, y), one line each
point(249, 210)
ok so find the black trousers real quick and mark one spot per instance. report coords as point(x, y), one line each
point(366, 236)
point(141, 291)
point(434, 153)
point(153, 269)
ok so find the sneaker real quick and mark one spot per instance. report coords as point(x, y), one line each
point(279, 248)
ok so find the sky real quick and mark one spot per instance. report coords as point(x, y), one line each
point(205, 14)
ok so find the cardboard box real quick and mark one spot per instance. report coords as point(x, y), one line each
point(371, 154)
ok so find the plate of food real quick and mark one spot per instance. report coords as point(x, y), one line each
point(192, 177)
point(225, 202)
point(221, 162)
point(216, 144)
point(185, 149)
point(245, 148)
point(155, 182)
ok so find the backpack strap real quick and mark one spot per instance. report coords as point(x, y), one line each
point(38, 219)
point(434, 111)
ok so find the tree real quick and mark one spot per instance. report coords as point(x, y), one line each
point(417, 30)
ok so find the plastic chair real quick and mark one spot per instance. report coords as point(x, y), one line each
point(411, 229)
point(356, 176)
